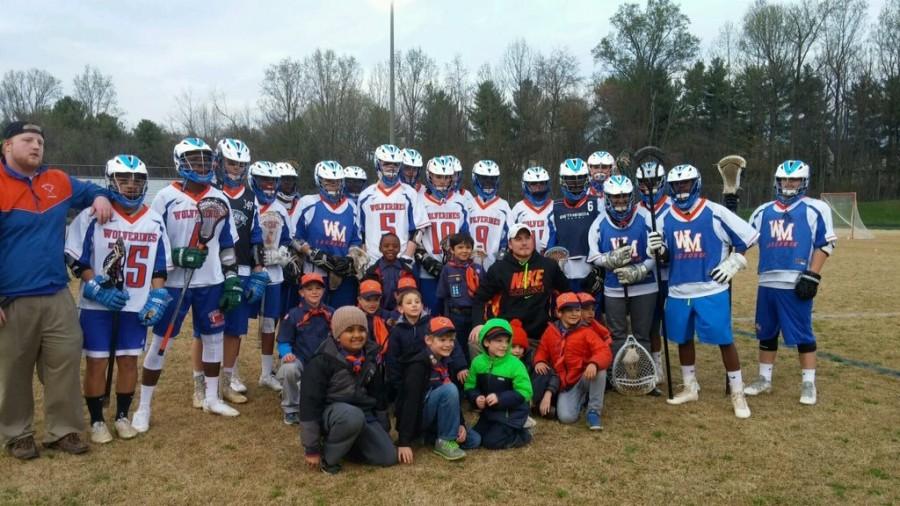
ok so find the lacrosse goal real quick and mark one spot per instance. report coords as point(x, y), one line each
point(845, 214)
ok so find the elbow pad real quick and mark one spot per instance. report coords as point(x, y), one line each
point(229, 261)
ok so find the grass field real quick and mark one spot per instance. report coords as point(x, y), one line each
point(844, 450)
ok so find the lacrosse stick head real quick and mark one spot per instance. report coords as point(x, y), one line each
point(113, 265)
point(730, 168)
point(270, 222)
point(633, 369)
point(212, 211)
point(558, 253)
point(360, 261)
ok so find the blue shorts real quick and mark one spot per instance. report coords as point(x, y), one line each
point(97, 326)
point(236, 319)
point(290, 297)
point(710, 316)
point(273, 303)
point(204, 305)
point(780, 310)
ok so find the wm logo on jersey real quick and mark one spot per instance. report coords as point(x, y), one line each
point(686, 243)
point(781, 233)
point(335, 232)
point(618, 242)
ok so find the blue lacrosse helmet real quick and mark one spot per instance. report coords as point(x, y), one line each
point(124, 168)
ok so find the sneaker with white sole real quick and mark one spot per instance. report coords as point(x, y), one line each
point(236, 384)
point(199, 391)
point(271, 382)
point(808, 393)
point(530, 423)
point(100, 433)
point(217, 407)
point(141, 420)
point(739, 401)
point(759, 386)
point(124, 429)
point(450, 450)
point(690, 393)
point(229, 394)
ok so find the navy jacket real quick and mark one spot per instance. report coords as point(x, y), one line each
point(301, 334)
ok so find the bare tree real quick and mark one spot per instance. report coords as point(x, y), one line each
point(196, 117)
point(415, 71)
point(519, 65)
point(886, 39)
point(24, 93)
point(457, 83)
point(282, 98)
point(804, 22)
point(96, 91)
point(558, 79)
point(378, 84)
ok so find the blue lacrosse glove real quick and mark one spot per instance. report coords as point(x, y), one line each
point(256, 286)
point(111, 298)
point(157, 302)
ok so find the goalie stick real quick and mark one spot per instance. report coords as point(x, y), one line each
point(652, 153)
point(210, 212)
point(633, 369)
point(113, 269)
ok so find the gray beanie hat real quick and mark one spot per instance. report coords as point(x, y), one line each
point(346, 317)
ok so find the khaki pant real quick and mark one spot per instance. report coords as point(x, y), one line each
point(41, 332)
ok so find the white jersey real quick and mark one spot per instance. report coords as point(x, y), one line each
point(146, 250)
point(445, 218)
point(293, 215)
point(281, 236)
point(537, 219)
point(179, 212)
point(396, 210)
point(489, 225)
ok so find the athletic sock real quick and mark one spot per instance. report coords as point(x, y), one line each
point(809, 375)
point(765, 370)
point(228, 371)
point(146, 397)
point(688, 373)
point(198, 374)
point(212, 388)
point(95, 408)
point(655, 355)
point(735, 381)
point(267, 362)
point(123, 404)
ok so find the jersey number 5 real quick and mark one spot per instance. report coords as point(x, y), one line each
point(136, 266)
point(387, 223)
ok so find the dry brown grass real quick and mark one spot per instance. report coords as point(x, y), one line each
point(845, 450)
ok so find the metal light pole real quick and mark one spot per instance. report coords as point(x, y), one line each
point(392, 75)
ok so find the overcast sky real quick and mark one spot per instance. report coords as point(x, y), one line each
point(155, 50)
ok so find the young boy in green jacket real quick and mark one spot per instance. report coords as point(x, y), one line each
point(498, 385)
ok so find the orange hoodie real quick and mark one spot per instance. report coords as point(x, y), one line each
point(570, 354)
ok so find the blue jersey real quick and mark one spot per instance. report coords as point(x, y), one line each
point(789, 235)
point(570, 227)
point(605, 236)
point(698, 242)
point(329, 228)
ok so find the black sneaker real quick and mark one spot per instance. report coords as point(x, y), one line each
point(70, 443)
point(330, 469)
point(291, 418)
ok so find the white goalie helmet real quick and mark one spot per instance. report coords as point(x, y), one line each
point(122, 170)
point(329, 177)
point(486, 178)
point(263, 178)
point(791, 169)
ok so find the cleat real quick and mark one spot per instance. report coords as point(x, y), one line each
point(199, 391)
point(808, 393)
point(741, 409)
point(217, 407)
point(230, 394)
point(70, 443)
point(124, 428)
point(593, 420)
point(690, 393)
point(236, 384)
point(270, 382)
point(23, 448)
point(100, 433)
point(759, 386)
point(292, 418)
point(141, 420)
point(450, 450)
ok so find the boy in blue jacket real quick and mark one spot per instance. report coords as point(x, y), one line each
point(457, 285)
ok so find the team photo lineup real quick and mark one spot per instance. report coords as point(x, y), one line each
point(402, 306)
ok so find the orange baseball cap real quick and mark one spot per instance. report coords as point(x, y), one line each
point(369, 287)
point(586, 298)
point(440, 325)
point(567, 300)
point(406, 283)
point(311, 277)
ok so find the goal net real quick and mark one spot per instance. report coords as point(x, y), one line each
point(845, 214)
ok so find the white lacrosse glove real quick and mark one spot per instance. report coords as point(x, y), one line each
point(655, 244)
point(616, 258)
point(728, 268)
point(280, 256)
point(631, 274)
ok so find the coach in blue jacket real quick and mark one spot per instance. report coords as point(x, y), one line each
point(38, 322)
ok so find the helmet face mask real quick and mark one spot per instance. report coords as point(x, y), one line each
point(411, 167)
point(233, 172)
point(791, 181)
point(354, 181)
point(574, 178)
point(439, 177)
point(126, 180)
point(264, 181)
point(329, 176)
point(619, 199)
point(651, 177)
point(388, 159)
point(684, 186)
point(230, 161)
point(536, 185)
point(601, 166)
point(486, 179)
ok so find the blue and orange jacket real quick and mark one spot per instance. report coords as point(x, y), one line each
point(33, 228)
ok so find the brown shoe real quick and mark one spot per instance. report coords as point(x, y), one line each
point(23, 448)
point(70, 443)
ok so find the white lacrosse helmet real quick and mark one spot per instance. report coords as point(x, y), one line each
point(619, 185)
point(791, 169)
point(486, 178)
point(412, 159)
point(388, 153)
point(330, 170)
point(190, 145)
point(354, 181)
point(457, 171)
point(236, 151)
point(652, 175)
point(684, 172)
point(536, 175)
point(573, 178)
point(263, 178)
point(439, 166)
point(601, 165)
point(123, 168)
point(287, 186)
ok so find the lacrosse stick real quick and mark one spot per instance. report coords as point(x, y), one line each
point(633, 369)
point(648, 153)
point(113, 269)
point(730, 168)
point(558, 253)
point(270, 222)
point(360, 261)
point(210, 212)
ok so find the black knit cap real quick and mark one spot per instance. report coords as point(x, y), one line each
point(20, 127)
